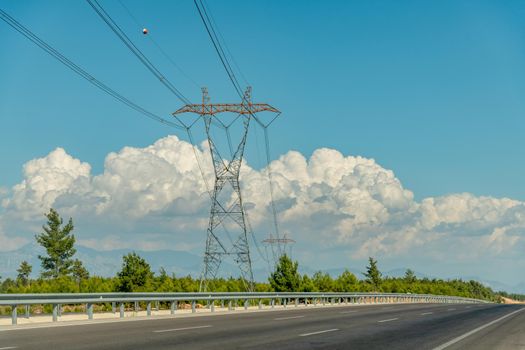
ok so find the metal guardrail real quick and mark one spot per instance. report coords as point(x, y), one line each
point(283, 299)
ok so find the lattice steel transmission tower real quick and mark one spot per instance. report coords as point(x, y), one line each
point(227, 229)
point(281, 243)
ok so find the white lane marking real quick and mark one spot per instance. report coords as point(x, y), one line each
point(181, 329)
point(451, 309)
point(467, 307)
point(319, 332)
point(461, 337)
point(287, 318)
point(8, 347)
point(426, 313)
point(390, 319)
point(348, 312)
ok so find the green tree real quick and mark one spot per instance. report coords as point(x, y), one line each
point(135, 275)
point(285, 278)
point(23, 273)
point(373, 275)
point(410, 276)
point(58, 242)
point(307, 285)
point(323, 282)
point(79, 272)
point(346, 282)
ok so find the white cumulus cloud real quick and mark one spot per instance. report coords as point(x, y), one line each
point(154, 197)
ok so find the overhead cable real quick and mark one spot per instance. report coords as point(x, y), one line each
point(135, 50)
point(217, 45)
point(203, 13)
point(77, 69)
point(157, 45)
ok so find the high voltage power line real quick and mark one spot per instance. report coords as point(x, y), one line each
point(135, 50)
point(212, 33)
point(157, 45)
point(217, 45)
point(77, 69)
point(208, 22)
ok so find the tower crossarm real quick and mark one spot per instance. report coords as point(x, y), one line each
point(215, 108)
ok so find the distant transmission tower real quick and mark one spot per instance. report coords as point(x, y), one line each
point(227, 228)
point(278, 246)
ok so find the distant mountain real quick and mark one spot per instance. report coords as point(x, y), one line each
point(105, 263)
point(334, 272)
point(108, 263)
point(400, 272)
point(496, 285)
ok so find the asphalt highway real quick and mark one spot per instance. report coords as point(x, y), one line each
point(410, 326)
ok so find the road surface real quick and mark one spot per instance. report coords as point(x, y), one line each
point(410, 326)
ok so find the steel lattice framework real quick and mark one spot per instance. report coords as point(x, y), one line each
point(227, 213)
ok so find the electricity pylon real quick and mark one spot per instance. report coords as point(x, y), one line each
point(281, 243)
point(227, 214)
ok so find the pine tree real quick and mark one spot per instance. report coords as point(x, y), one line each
point(79, 273)
point(373, 276)
point(346, 282)
point(58, 242)
point(307, 285)
point(135, 275)
point(410, 276)
point(23, 272)
point(323, 282)
point(285, 278)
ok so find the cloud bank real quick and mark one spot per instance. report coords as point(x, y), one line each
point(339, 208)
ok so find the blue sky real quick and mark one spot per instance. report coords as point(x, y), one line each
point(431, 90)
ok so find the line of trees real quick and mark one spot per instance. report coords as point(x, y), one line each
point(286, 278)
point(62, 272)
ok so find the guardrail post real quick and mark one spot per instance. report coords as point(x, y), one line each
point(285, 301)
point(157, 305)
point(229, 305)
point(121, 310)
point(137, 306)
point(222, 303)
point(173, 307)
point(60, 310)
point(14, 314)
point(246, 304)
point(193, 310)
point(148, 308)
point(260, 304)
point(90, 311)
point(55, 312)
point(114, 307)
point(296, 302)
point(212, 305)
point(28, 311)
point(273, 303)
point(324, 301)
